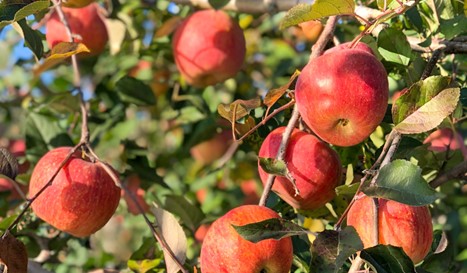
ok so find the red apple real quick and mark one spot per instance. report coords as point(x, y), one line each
point(444, 139)
point(160, 78)
point(399, 225)
point(17, 147)
point(208, 47)
point(314, 165)
point(208, 151)
point(133, 185)
point(84, 22)
point(82, 197)
point(224, 250)
point(343, 95)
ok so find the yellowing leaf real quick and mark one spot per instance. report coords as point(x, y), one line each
point(168, 26)
point(275, 94)
point(59, 53)
point(319, 9)
point(430, 114)
point(20, 13)
point(174, 236)
point(238, 109)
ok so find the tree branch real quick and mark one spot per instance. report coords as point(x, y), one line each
point(458, 171)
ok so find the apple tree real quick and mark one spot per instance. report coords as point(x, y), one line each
point(233, 136)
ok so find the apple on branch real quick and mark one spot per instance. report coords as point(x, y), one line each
point(224, 250)
point(82, 197)
point(399, 225)
point(208, 47)
point(86, 25)
point(314, 165)
point(343, 94)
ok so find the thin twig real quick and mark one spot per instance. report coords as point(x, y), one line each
point(280, 154)
point(154, 230)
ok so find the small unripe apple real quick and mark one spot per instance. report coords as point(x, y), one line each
point(343, 94)
point(311, 30)
point(315, 167)
point(84, 22)
point(82, 197)
point(400, 225)
point(208, 47)
point(224, 250)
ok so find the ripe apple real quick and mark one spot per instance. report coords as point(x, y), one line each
point(201, 232)
point(224, 250)
point(208, 151)
point(84, 22)
point(399, 225)
point(208, 47)
point(311, 30)
point(82, 197)
point(343, 94)
point(444, 139)
point(133, 185)
point(314, 165)
point(250, 190)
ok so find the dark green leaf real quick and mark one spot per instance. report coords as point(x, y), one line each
point(453, 27)
point(394, 47)
point(218, 4)
point(32, 39)
point(331, 249)
point(273, 166)
point(319, 9)
point(388, 259)
point(14, 11)
point(274, 228)
point(132, 90)
point(189, 214)
point(8, 164)
point(402, 181)
point(324, 252)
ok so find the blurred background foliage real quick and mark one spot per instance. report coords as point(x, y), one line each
point(169, 143)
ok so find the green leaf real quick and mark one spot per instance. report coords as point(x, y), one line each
point(402, 181)
point(190, 214)
point(331, 249)
point(273, 166)
point(43, 134)
point(10, 13)
point(319, 9)
point(453, 27)
point(32, 39)
point(132, 90)
point(218, 4)
point(430, 114)
point(394, 47)
point(274, 228)
point(425, 104)
point(388, 259)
